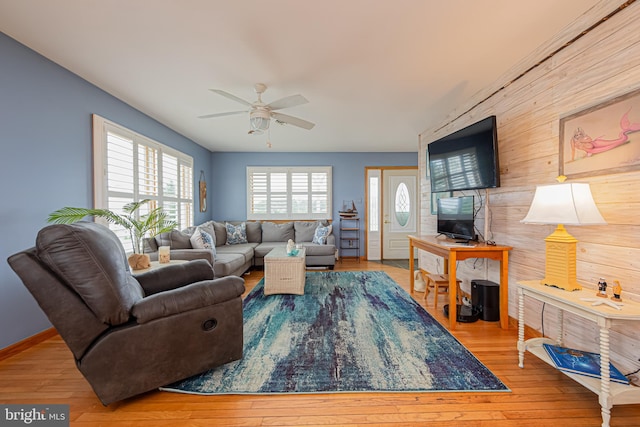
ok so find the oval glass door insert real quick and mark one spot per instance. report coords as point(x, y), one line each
point(403, 204)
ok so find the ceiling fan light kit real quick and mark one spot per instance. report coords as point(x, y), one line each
point(260, 114)
point(259, 120)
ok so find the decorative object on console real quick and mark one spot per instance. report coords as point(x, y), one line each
point(562, 204)
point(602, 288)
point(617, 291)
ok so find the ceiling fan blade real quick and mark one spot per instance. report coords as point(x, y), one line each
point(289, 101)
point(230, 96)
point(295, 121)
point(230, 113)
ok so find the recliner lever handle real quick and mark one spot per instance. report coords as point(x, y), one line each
point(209, 325)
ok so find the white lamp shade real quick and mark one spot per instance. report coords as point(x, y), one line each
point(567, 204)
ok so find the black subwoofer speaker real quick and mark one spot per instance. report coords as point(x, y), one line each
point(485, 297)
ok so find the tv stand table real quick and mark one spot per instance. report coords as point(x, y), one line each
point(454, 252)
point(609, 393)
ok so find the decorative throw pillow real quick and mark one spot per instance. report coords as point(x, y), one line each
point(236, 234)
point(200, 239)
point(320, 236)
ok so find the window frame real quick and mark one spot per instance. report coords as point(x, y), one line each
point(101, 128)
point(290, 171)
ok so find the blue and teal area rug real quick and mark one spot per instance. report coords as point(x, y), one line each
point(349, 332)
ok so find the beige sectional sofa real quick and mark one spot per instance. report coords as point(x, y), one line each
point(230, 257)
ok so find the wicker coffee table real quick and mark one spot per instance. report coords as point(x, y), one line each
point(284, 274)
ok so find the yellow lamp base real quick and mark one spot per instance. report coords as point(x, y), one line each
point(560, 265)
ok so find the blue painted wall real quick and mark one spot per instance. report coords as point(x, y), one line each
point(228, 178)
point(46, 163)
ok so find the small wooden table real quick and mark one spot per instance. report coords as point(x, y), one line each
point(454, 253)
point(581, 303)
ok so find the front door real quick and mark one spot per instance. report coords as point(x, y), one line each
point(400, 211)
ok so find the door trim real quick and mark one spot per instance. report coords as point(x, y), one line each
point(366, 203)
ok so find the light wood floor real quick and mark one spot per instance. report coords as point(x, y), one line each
point(540, 395)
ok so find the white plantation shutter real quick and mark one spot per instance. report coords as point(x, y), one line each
point(130, 167)
point(288, 193)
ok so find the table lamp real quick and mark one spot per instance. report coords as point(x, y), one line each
point(562, 204)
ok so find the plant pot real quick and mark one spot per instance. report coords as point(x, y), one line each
point(139, 261)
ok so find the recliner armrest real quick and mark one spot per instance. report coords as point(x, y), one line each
point(174, 276)
point(186, 298)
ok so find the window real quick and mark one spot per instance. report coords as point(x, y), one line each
point(130, 167)
point(374, 212)
point(288, 193)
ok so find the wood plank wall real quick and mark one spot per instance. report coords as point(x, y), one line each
point(602, 64)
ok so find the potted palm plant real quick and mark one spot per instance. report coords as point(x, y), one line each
point(139, 226)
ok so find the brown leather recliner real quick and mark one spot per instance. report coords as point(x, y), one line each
point(130, 334)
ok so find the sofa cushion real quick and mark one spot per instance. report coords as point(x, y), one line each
point(227, 264)
point(236, 234)
point(266, 247)
point(246, 250)
point(174, 239)
point(272, 232)
point(149, 245)
point(90, 259)
point(313, 249)
point(305, 230)
point(321, 234)
point(200, 239)
point(254, 232)
point(220, 233)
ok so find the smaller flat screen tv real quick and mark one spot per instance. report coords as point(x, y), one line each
point(455, 217)
point(466, 159)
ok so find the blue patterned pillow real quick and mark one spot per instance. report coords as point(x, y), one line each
point(320, 236)
point(200, 239)
point(236, 234)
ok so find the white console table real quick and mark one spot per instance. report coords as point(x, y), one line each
point(609, 393)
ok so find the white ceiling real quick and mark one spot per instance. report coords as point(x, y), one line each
point(376, 72)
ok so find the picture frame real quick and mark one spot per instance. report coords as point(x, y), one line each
point(602, 139)
point(434, 200)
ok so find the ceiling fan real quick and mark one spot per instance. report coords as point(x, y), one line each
point(260, 114)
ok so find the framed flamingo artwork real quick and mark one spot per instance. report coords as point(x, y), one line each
point(603, 139)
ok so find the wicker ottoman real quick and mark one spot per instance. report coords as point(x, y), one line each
point(284, 274)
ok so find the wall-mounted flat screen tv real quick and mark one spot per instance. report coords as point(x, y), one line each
point(455, 217)
point(466, 159)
